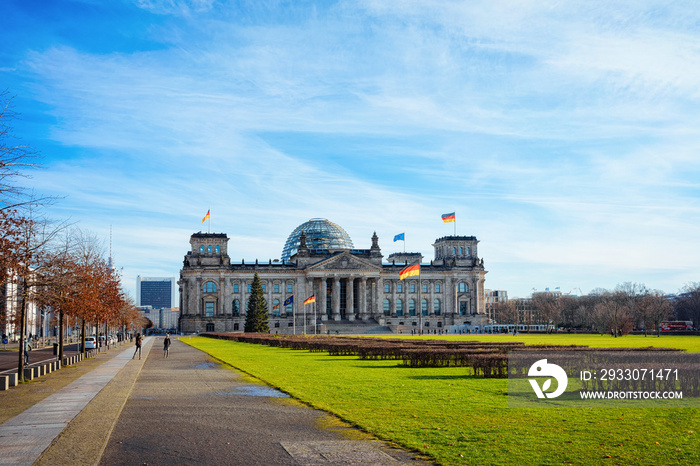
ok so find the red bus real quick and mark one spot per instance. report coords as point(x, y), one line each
point(676, 325)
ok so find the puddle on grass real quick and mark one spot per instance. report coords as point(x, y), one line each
point(254, 390)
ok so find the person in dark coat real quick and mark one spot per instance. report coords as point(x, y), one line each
point(166, 345)
point(138, 346)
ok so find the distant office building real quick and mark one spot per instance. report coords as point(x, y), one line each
point(156, 292)
point(493, 299)
point(162, 318)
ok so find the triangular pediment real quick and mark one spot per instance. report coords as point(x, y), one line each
point(344, 261)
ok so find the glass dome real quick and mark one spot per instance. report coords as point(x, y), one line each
point(320, 234)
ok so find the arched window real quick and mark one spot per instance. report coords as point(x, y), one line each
point(276, 307)
point(454, 252)
point(209, 248)
point(236, 308)
point(218, 249)
point(201, 248)
point(463, 287)
point(399, 307)
point(461, 251)
point(399, 287)
point(437, 287)
point(387, 288)
point(412, 287)
point(425, 287)
point(209, 287)
point(424, 307)
point(411, 307)
point(437, 308)
point(387, 307)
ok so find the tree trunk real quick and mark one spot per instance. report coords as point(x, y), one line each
point(82, 336)
point(22, 331)
point(60, 336)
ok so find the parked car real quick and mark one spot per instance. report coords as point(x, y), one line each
point(90, 343)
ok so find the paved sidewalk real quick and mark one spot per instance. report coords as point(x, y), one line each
point(24, 437)
point(186, 409)
point(191, 409)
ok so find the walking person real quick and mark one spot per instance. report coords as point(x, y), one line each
point(166, 345)
point(27, 349)
point(138, 346)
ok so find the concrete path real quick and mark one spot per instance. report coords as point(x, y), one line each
point(185, 409)
point(24, 437)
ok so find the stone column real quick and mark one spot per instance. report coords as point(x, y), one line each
point(350, 306)
point(336, 298)
point(362, 307)
point(321, 304)
point(244, 298)
point(392, 308)
point(200, 303)
point(377, 293)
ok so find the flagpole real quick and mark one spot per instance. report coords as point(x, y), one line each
point(420, 306)
point(294, 319)
point(304, 318)
point(315, 322)
point(209, 220)
point(455, 222)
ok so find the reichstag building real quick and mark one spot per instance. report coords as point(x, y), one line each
point(353, 288)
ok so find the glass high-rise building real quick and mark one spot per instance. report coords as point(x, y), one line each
point(156, 292)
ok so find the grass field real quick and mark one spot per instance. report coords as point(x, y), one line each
point(459, 419)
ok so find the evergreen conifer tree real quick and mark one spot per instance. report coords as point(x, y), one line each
point(256, 318)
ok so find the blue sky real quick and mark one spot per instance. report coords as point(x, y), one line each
point(565, 135)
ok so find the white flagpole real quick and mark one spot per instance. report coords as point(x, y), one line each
point(209, 220)
point(304, 318)
point(315, 322)
point(420, 305)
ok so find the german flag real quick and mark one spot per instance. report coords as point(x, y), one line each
point(207, 216)
point(447, 218)
point(310, 299)
point(410, 271)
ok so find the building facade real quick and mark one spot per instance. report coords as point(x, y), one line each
point(156, 292)
point(494, 299)
point(349, 285)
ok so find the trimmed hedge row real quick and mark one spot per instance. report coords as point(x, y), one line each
point(486, 359)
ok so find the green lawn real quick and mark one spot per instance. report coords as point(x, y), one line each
point(460, 419)
point(688, 343)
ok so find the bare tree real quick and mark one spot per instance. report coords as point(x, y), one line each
point(612, 314)
point(507, 312)
point(655, 308)
point(15, 158)
point(549, 307)
point(26, 267)
point(633, 294)
point(688, 304)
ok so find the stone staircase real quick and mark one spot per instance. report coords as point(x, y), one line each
point(346, 327)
